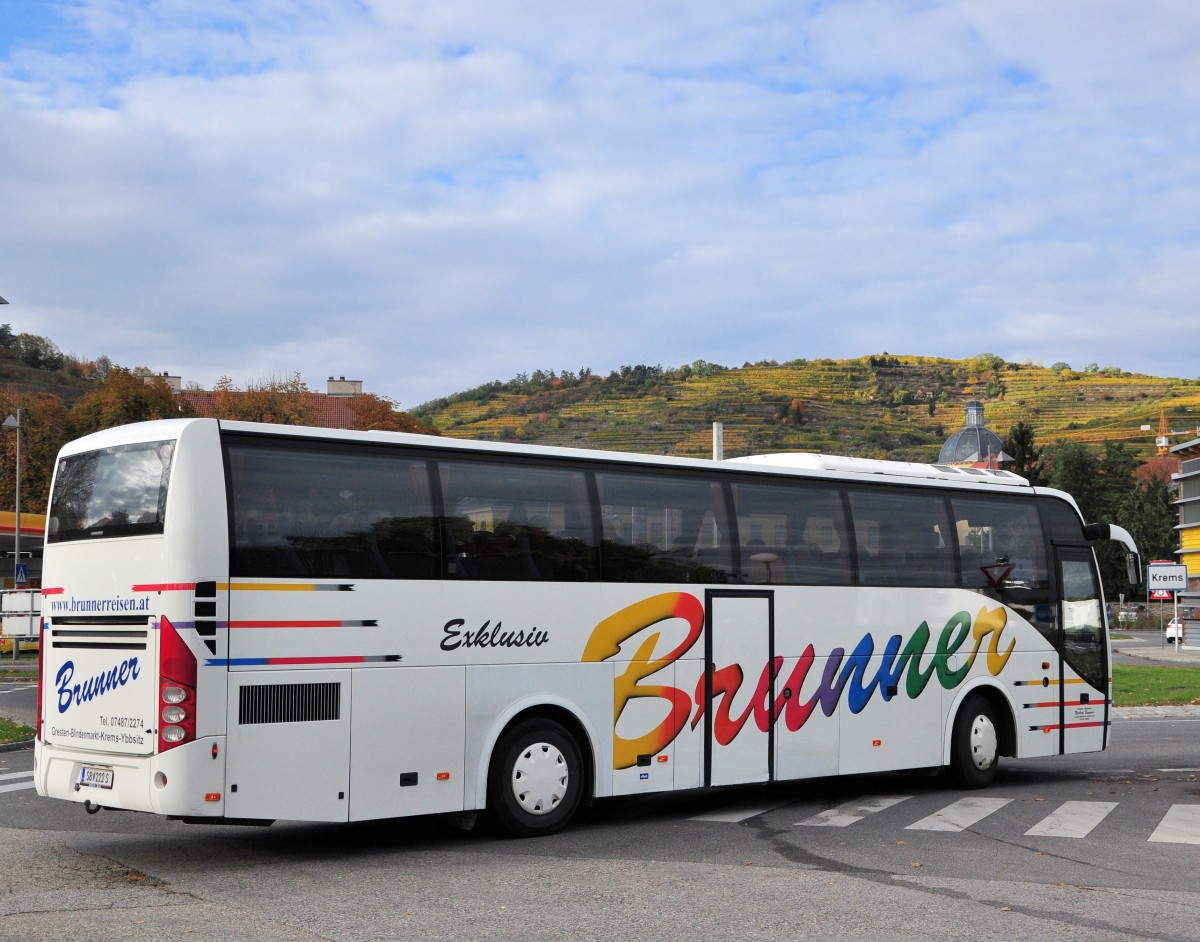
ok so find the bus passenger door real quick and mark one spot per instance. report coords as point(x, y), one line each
point(1083, 671)
point(739, 686)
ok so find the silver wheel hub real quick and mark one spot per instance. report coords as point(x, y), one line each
point(983, 742)
point(539, 778)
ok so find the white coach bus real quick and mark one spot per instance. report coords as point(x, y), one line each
point(245, 623)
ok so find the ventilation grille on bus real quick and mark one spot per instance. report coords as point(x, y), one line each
point(289, 703)
point(98, 634)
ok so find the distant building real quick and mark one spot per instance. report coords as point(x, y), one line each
point(1188, 502)
point(333, 408)
point(174, 383)
point(974, 445)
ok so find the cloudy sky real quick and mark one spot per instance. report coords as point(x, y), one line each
point(429, 196)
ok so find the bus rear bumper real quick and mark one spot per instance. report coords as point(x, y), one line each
point(186, 781)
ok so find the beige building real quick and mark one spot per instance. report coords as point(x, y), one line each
point(1188, 502)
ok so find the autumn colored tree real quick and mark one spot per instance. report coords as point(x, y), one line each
point(378, 412)
point(282, 401)
point(44, 430)
point(124, 397)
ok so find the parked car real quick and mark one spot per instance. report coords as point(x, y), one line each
point(1174, 630)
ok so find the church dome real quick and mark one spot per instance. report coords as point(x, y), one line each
point(973, 444)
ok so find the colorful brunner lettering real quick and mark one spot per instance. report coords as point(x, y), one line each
point(843, 674)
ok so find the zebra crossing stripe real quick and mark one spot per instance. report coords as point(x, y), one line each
point(1072, 819)
point(960, 815)
point(1180, 825)
point(851, 812)
point(13, 786)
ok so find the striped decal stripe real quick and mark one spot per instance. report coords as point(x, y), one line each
point(285, 587)
point(1054, 703)
point(1057, 726)
point(292, 623)
point(234, 586)
point(301, 661)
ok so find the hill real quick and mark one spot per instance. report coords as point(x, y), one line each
point(66, 382)
point(884, 406)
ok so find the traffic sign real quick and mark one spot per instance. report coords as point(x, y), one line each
point(1168, 577)
point(21, 575)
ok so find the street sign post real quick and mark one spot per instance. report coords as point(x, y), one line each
point(1169, 579)
point(1166, 577)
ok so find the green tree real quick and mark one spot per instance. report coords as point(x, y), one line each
point(1147, 512)
point(1107, 491)
point(1020, 445)
point(39, 352)
point(1074, 469)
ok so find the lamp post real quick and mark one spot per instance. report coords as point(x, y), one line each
point(14, 422)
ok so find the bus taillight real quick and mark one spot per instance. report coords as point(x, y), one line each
point(176, 689)
point(37, 732)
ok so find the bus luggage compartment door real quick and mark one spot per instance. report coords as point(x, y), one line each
point(288, 755)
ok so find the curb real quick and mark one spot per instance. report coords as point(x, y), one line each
point(16, 746)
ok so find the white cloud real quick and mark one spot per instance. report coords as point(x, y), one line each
point(430, 197)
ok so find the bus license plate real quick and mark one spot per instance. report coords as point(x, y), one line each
point(94, 776)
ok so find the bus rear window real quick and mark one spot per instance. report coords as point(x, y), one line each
point(111, 492)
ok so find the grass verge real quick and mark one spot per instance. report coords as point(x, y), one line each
point(13, 732)
point(1152, 685)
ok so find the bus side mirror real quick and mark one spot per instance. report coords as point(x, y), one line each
point(1133, 568)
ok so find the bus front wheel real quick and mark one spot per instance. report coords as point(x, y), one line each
point(536, 778)
point(975, 748)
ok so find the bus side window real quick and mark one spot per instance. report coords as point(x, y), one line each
point(513, 521)
point(663, 529)
point(903, 538)
point(305, 511)
point(791, 534)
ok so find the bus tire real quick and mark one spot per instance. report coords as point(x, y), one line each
point(536, 778)
point(975, 748)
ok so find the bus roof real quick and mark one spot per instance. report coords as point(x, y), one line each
point(904, 469)
point(796, 464)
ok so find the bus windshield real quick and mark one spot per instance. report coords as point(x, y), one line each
point(111, 492)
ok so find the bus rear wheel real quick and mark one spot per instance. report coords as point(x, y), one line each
point(536, 778)
point(975, 748)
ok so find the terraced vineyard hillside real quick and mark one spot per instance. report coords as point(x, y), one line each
point(884, 406)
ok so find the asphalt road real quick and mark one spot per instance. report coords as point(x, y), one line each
point(1102, 846)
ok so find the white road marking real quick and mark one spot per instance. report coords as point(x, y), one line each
point(1180, 825)
point(1072, 819)
point(851, 812)
point(960, 815)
